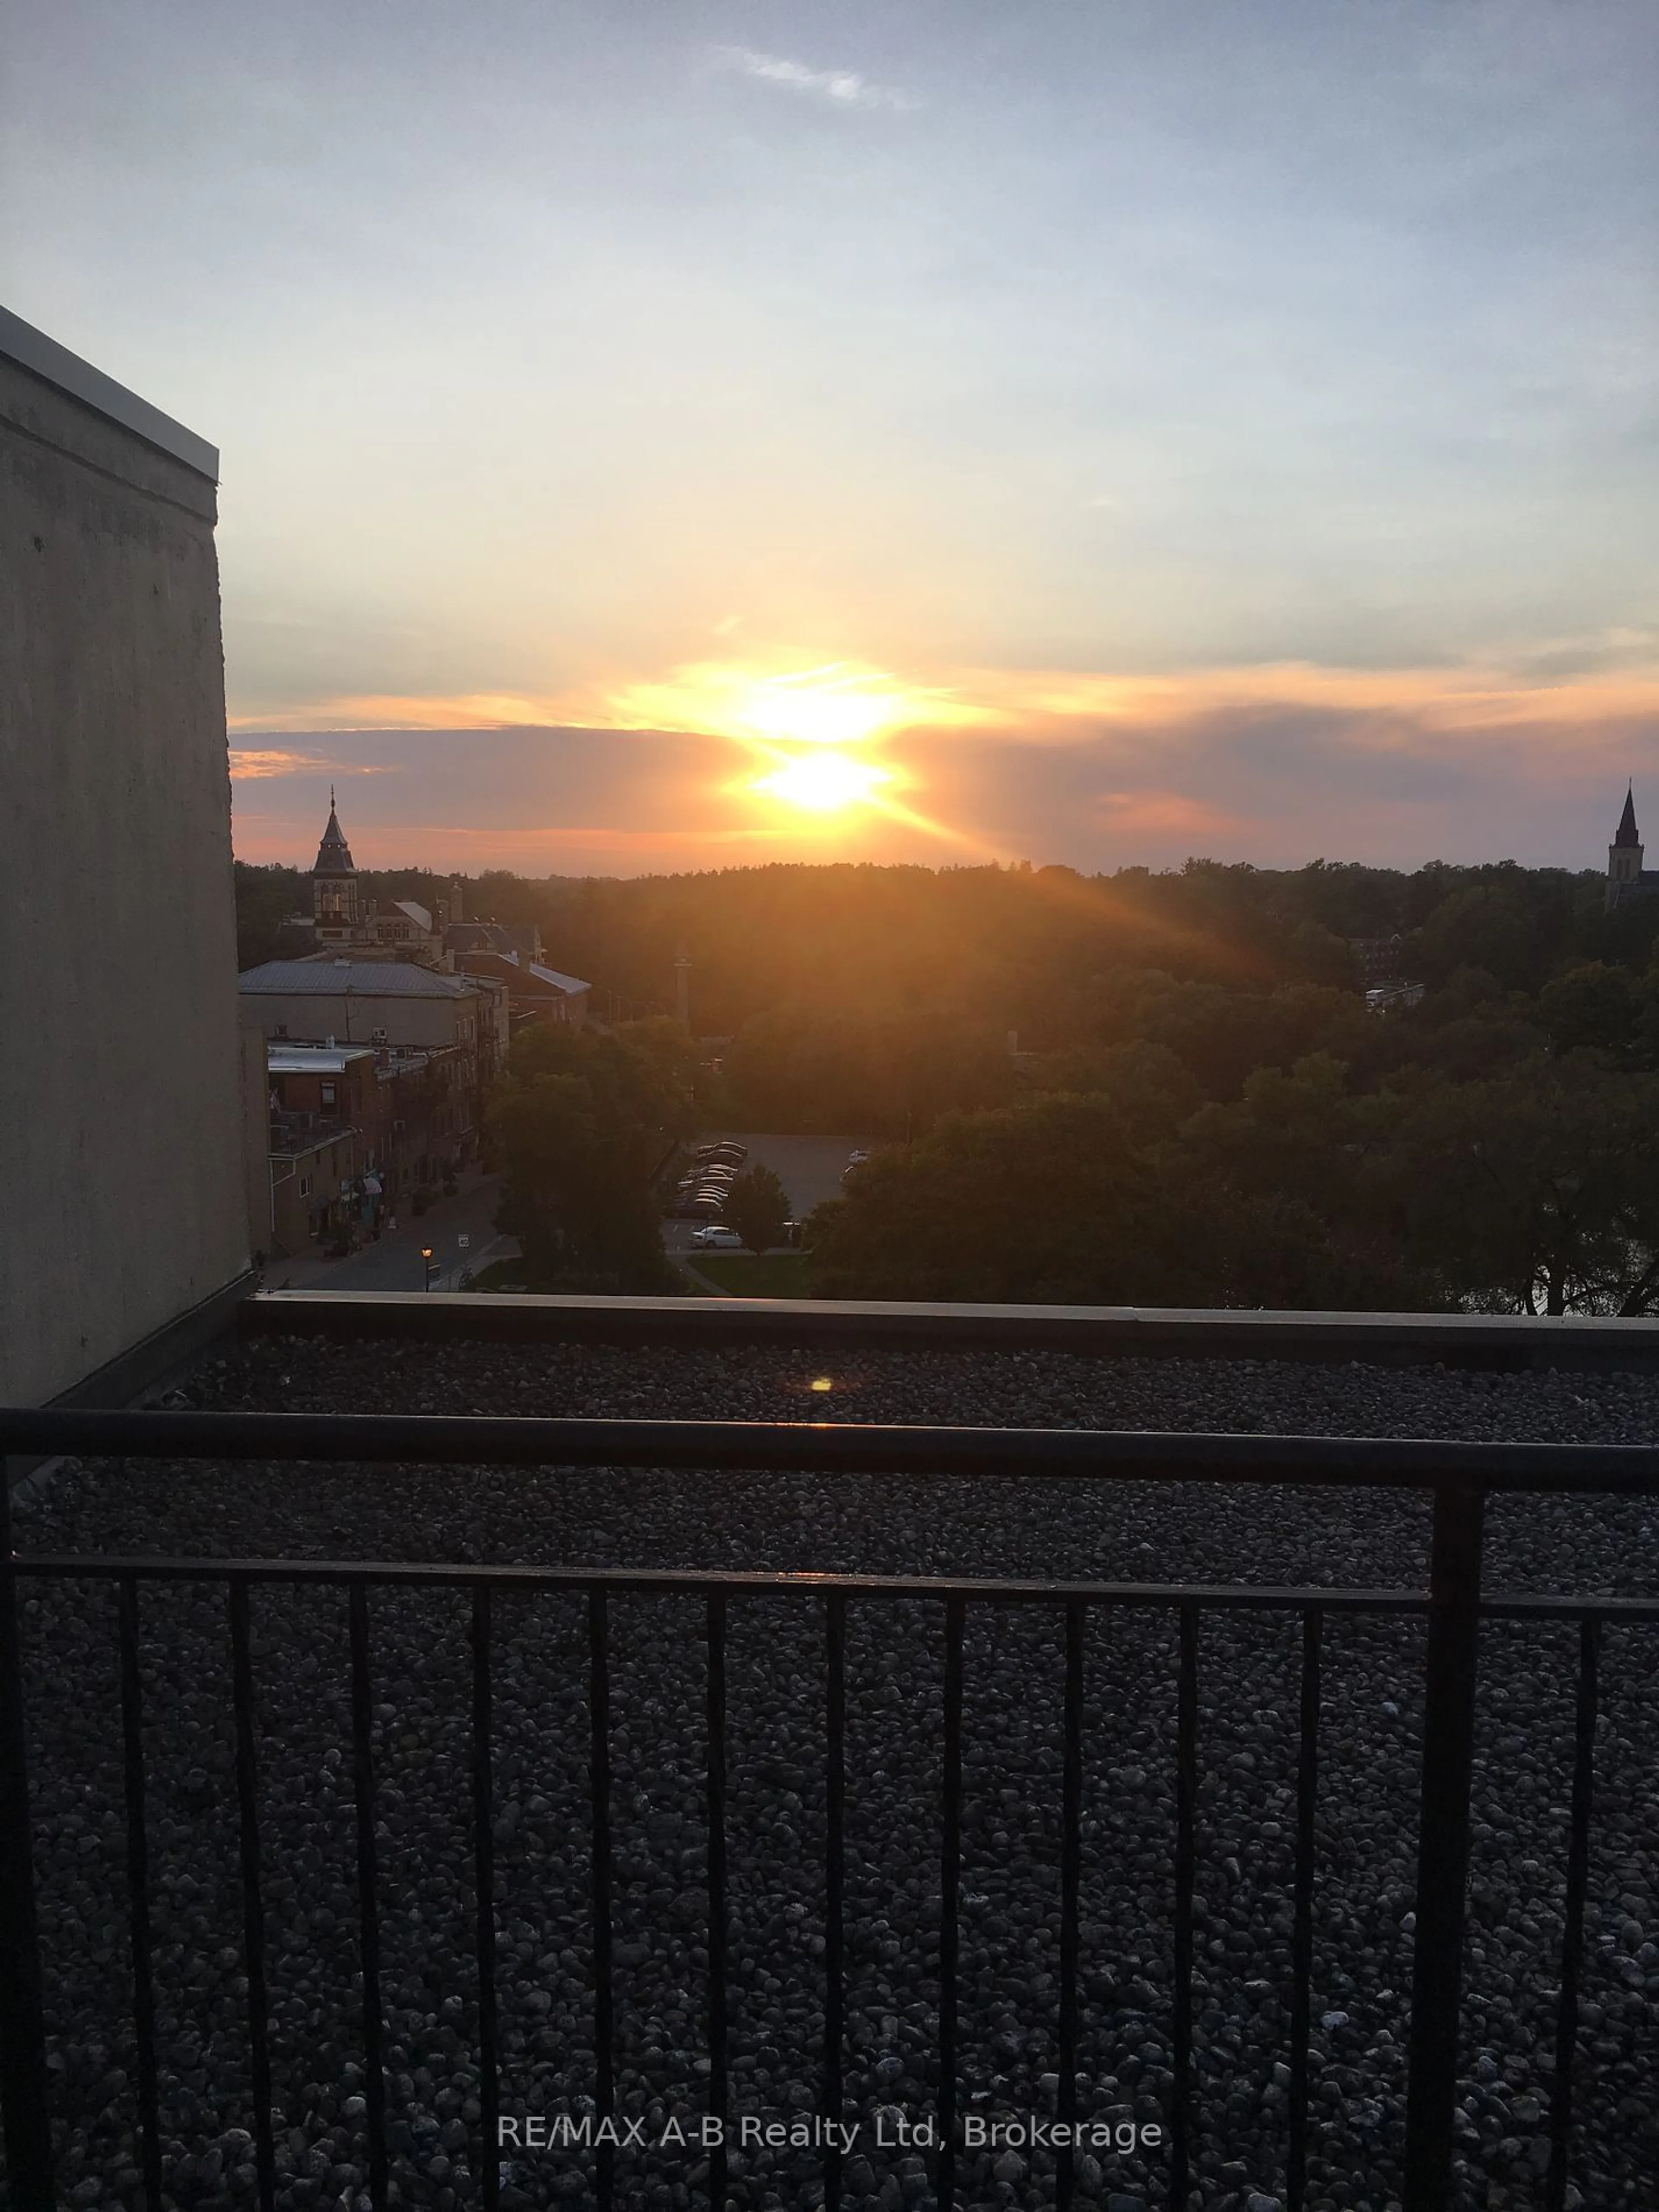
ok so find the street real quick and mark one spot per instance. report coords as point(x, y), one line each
point(394, 1263)
point(809, 1168)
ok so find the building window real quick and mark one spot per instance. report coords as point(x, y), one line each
point(280, 1030)
point(305, 1186)
point(328, 1096)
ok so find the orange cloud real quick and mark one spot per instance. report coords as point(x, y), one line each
point(1063, 706)
point(789, 697)
point(253, 767)
point(1166, 813)
point(478, 710)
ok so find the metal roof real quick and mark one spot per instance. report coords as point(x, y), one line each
point(364, 979)
point(552, 976)
point(313, 1059)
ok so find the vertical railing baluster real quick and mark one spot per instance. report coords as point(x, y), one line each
point(1443, 1848)
point(1572, 1931)
point(1181, 2096)
point(835, 1870)
point(949, 1905)
point(1071, 1874)
point(22, 2023)
point(598, 1701)
point(719, 2042)
point(253, 1910)
point(1307, 1794)
point(138, 1927)
point(483, 1888)
point(368, 1912)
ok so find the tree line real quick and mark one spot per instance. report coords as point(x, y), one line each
point(1200, 1109)
point(1486, 1151)
point(1012, 945)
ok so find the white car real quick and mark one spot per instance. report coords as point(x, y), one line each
point(715, 1234)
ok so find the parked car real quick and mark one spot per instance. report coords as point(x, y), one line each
point(716, 1235)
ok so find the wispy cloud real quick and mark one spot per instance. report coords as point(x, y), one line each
point(252, 765)
point(844, 87)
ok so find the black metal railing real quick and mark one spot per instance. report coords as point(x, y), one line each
point(1458, 1476)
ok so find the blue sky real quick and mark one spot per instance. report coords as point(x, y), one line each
point(560, 354)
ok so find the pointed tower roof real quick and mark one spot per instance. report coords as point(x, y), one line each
point(1627, 821)
point(333, 854)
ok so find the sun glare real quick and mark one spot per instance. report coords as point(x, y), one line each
point(820, 707)
point(814, 734)
point(822, 782)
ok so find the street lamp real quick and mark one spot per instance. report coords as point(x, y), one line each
point(426, 1268)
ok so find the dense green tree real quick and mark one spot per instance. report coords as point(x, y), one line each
point(758, 1207)
point(1047, 1201)
point(878, 1073)
point(266, 897)
point(1151, 1091)
point(582, 1121)
point(1536, 1191)
point(1593, 1007)
point(1277, 1179)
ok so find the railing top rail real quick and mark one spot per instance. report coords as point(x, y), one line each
point(1369, 1462)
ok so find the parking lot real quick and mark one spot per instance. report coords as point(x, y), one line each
point(809, 1168)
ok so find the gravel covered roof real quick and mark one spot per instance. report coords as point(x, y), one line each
point(1248, 1677)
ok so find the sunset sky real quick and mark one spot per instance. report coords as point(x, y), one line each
point(690, 433)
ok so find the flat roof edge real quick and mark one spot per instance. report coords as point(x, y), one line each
point(56, 365)
point(1516, 1341)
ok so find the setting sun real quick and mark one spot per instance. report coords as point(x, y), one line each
point(823, 782)
point(831, 706)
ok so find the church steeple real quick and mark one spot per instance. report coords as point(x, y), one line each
point(333, 854)
point(334, 899)
point(1624, 858)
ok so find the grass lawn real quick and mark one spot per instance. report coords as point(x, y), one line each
point(503, 1275)
point(741, 1275)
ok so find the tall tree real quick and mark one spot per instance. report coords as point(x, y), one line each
point(757, 1207)
point(581, 1120)
point(1536, 1191)
point(1047, 1202)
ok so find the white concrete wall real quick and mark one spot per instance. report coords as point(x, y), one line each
point(121, 1125)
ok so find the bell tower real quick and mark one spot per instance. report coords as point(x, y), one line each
point(335, 903)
